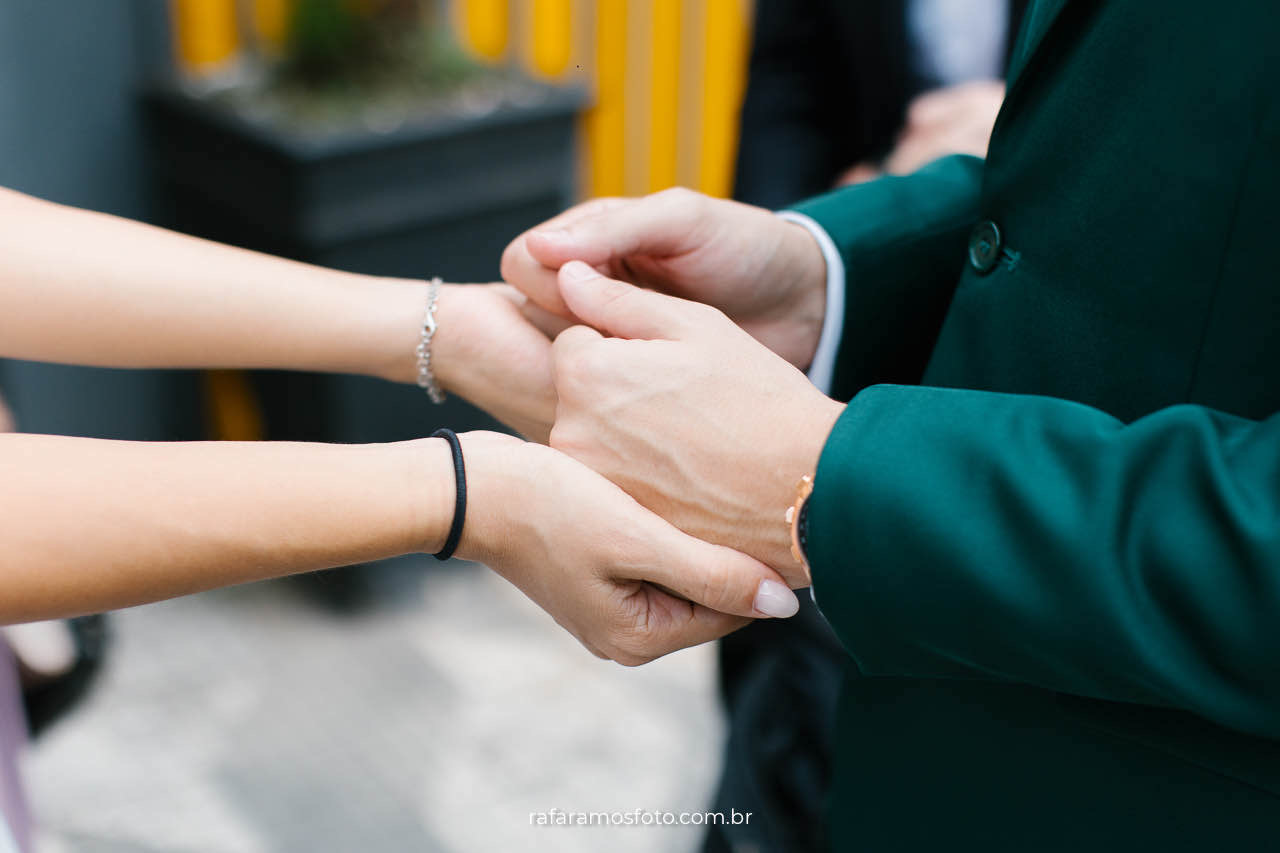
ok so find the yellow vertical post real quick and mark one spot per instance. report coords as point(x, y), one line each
point(485, 27)
point(724, 75)
point(205, 32)
point(271, 22)
point(552, 34)
point(606, 121)
point(689, 126)
point(233, 410)
point(664, 94)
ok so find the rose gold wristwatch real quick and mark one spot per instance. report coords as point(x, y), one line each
point(796, 517)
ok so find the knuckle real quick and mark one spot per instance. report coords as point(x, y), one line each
point(677, 194)
point(564, 437)
point(709, 312)
point(707, 316)
point(574, 368)
point(682, 200)
point(596, 206)
point(716, 586)
point(617, 298)
point(628, 634)
point(632, 662)
point(557, 439)
point(591, 647)
point(630, 650)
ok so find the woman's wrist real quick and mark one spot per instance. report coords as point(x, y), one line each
point(405, 307)
point(393, 311)
point(492, 471)
point(497, 475)
point(454, 334)
point(430, 491)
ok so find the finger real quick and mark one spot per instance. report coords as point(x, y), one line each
point(859, 173)
point(711, 575)
point(658, 225)
point(623, 310)
point(529, 275)
point(584, 211)
point(541, 319)
point(673, 625)
point(913, 152)
point(532, 279)
point(931, 109)
point(574, 338)
point(956, 104)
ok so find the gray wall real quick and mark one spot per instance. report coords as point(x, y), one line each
point(70, 71)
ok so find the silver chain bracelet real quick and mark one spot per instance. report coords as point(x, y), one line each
point(426, 378)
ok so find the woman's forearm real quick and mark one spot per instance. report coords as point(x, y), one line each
point(86, 288)
point(89, 525)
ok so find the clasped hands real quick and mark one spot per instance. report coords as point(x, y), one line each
point(658, 343)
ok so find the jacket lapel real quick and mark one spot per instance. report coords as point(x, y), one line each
point(1039, 20)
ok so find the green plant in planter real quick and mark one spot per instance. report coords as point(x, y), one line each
point(332, 39)
point(367, 61)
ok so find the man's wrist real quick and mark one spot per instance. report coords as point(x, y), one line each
point(821, 366)
point(801, 271)
point(804, 448)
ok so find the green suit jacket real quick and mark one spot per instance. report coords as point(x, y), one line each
point(1051, 546)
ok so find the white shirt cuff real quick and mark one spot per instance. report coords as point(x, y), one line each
point(822, 370)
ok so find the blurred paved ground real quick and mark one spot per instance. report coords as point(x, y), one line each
point(251, 720)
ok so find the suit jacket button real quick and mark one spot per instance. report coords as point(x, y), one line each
point(985, 243)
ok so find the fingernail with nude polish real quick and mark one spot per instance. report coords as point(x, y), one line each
point(776, 600)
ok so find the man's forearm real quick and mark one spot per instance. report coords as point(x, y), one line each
point(86, 288)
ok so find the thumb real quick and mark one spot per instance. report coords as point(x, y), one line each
point(623, 310)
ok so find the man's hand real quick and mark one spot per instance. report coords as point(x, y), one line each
point(766, 274)
point(495, 350)
point(953, 120)
point(626, 583)
point(687, 413)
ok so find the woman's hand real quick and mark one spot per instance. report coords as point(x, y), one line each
point(487, 350)
point(628, 585)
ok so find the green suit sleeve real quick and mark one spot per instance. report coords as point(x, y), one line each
point(968, 534)
point(903, 242)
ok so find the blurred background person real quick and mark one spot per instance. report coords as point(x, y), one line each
point(837, 92)
point(843, 91)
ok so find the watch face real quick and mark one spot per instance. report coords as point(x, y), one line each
point(802, 529)
point(798, 518)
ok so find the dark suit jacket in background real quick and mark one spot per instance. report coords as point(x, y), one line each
point(829, 85)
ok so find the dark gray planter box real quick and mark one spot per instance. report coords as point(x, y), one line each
point(439, 197)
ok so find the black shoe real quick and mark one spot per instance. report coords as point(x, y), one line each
point(51, 700)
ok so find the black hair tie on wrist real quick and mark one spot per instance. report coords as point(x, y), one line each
point(460, 505)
